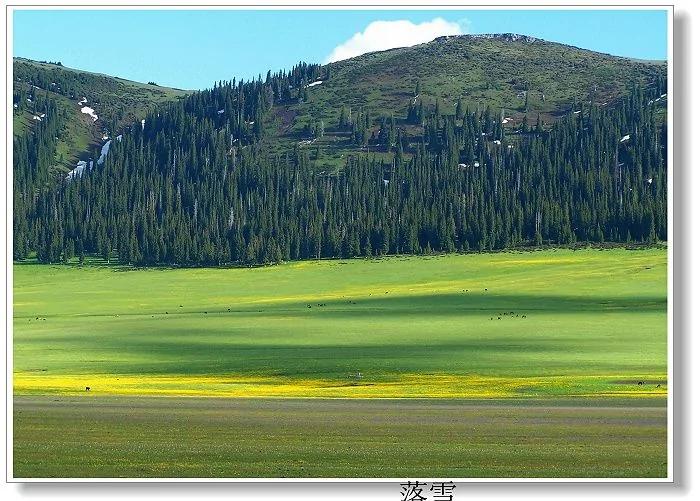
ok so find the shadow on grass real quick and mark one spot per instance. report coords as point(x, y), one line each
point(474, 302)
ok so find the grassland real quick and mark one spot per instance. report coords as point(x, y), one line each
point(204, 437)
point(582, 322)
point(553, 344)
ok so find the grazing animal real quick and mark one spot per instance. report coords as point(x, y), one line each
point(87, 388)
point(658, 386)
point(640, 382)
point(485, 289)
point(499, 318)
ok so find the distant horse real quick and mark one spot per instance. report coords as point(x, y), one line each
point(87, 388)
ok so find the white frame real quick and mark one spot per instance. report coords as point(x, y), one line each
point(313, 5)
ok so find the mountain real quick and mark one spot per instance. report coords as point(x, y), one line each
point(115, 102)
point(464, 143)
point(515, 75)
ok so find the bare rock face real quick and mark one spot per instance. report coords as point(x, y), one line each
point(506, 37)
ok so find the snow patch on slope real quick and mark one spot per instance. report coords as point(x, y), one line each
point(105, 150)
point(82, 164)
point(103, 153)
point(79, 169)
point(89, 111)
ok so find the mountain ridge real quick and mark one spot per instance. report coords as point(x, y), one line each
point(456, 145)
point(497, 70)
point(482, 70)
point(114, 100)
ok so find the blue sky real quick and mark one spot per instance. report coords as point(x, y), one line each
point(192, 49)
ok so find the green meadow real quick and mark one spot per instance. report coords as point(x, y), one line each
point(340, 438)
point(566, 329)
point(587, 315)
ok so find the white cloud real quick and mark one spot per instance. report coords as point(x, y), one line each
point(383, 35)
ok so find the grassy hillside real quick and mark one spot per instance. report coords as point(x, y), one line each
point(500, 71)
point(548, 323)
point(516, 76)
point(116, 102)
point(113, 98)
point(78, 137)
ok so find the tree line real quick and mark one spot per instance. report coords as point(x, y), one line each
point(195, 185)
